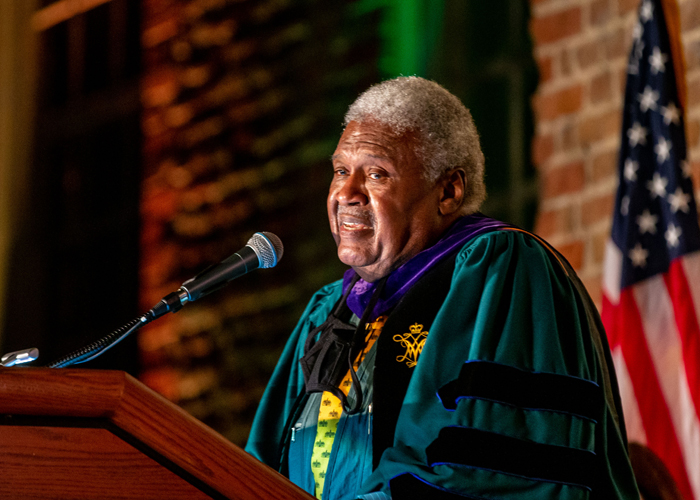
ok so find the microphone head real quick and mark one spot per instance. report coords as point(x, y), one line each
point(268, 247)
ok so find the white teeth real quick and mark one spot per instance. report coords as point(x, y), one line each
point(353, 226)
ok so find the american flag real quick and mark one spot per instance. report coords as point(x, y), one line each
point(651, 283)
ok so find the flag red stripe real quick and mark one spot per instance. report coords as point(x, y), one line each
point(686, 319)
point(658, 424)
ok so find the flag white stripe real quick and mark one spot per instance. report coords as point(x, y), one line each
point(612, 272)
point(689, 434)
point(663, 340)
point(630, 408)
point(691, 268)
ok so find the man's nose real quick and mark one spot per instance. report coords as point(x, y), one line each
point(352, 190)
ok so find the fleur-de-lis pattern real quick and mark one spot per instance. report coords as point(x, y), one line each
point(331, 409)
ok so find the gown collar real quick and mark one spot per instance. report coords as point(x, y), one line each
point(404, 277)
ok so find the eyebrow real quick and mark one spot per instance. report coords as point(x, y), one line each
point(378, 157)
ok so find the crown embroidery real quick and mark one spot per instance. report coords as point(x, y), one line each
point(413, 342)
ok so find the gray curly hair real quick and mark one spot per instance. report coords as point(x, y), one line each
point(446, 131)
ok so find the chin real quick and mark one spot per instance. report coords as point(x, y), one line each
point(351, 261)
point(353, 258)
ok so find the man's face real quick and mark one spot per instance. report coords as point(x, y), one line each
point(381, 209)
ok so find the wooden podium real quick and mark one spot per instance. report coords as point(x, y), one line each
point(91, 434)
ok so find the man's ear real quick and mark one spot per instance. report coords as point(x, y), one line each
point(453, 184)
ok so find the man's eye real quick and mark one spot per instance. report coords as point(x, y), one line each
point(340, 171)
point(375, 176)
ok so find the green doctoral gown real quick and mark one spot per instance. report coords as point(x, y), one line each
point(513, 396)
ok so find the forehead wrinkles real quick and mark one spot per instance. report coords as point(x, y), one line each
point(372, 148)
point(370, 139)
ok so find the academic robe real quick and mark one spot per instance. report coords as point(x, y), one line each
point(513, 396)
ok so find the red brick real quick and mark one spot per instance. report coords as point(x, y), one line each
point(600, 127)
point(152, 124)
point(573, 252)
point(597, 209)
point(695, 174)
point(164, 380)
point(692, 128)
point(625, 6)
point(542, 149)
point(153, 148)
point(152, 232)
point(194, 382)
point(617, 44)
point(553, 222)
point(693, 96)
point(207, 35)
point(566, 62)
point(563, 180)
point(553, 27)
point(179, 115)
point(562, 102)
point(598, 243)
point(161, 32)
point(568, 138)
point(192, 199)
point(159, 204)
point(226, 215)
point(544, 64)
point(604, 165)
point(588, 54)
point(601, 88)
point(157, 8)
point(546, 224)
point(196, 76)
point(692, 55)
point(690, 15)
point(157, 263)
point(192, 225)
point(622, 80)
point(600, 12)
point(159, 89)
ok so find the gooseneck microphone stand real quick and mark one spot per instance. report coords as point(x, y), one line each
point(263, 250)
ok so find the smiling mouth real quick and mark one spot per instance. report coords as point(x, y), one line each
point(354, 226)
point(354, 219)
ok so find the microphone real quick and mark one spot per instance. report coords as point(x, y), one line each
point(19, 357)
point(263, 250)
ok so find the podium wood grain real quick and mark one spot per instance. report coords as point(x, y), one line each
point(91, 434)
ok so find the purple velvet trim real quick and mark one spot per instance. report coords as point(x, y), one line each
point(402, 279)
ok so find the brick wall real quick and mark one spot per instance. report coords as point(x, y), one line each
point(581, 48)
point(243, 104)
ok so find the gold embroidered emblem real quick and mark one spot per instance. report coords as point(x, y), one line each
point(413, 342)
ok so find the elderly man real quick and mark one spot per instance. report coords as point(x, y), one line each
point(459, 357)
